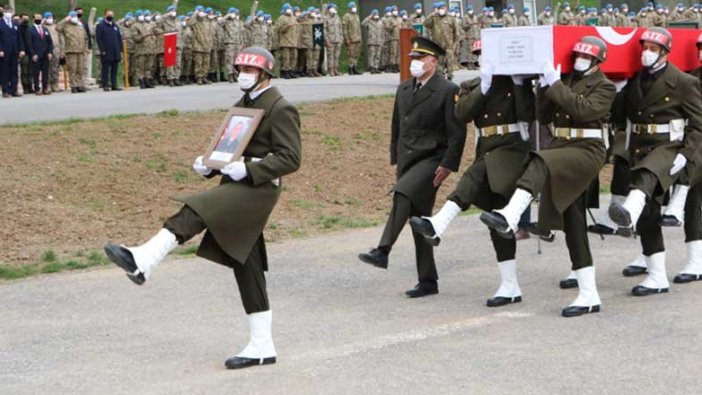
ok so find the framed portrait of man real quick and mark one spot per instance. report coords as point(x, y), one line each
point(232, 137)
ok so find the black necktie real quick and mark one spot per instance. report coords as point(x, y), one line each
point(417, 87)
point(247, 100)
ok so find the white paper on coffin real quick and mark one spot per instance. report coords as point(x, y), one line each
point(517, 50)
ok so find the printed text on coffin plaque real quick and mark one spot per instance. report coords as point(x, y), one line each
point(516, 49)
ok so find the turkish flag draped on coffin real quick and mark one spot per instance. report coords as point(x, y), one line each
point(170, 46)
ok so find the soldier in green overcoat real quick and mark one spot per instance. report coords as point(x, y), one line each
point(501, 108)
point(577, 106)
point(235, 213)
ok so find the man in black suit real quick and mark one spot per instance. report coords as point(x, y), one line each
point(40, 48)
point(427, 144)
point(11, 50)
point(109, 40)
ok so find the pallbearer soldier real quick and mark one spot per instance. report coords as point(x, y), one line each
point(235, 213)
point(501, 108)
point(427, 144)
point(577, 106)
point(664, 108)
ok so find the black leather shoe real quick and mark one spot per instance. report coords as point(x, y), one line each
point(498, 301)
point(545, 235)
point(568, 283)
point(640, 290)
point(684, 278)
point(621, 217)
point(669, 220)
point(240, 362)
point(423, 289)
point(496, 221)
point(632, 271)
point(425, 228)
point(121, 257)
point(375, 257)
point(575, 311)
point(600, 229)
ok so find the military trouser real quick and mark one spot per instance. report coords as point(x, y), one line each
point(75, 63)
point(143, 66)
point(55, 70)
point(621, 177)
point(353, 50)
point(201, 61)
point(374, 56)
point(214, 61)
point(693, 214)
point(402, 210)
point(333, 52)
point(312, 58)
point(173, 72)
point(87, 58)
point(98, 68)
point(534, 180)
point(187, 62)
point(393, 49)
point(26, 73)
point(301, 64)
point(226, 62)
point(250, 276)
point(287, 55)
point(384, 54)
point(132, 68)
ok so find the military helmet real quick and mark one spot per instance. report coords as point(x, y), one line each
point(477, 46)
point(658, 35)
point(256, 57)
point(593, 46)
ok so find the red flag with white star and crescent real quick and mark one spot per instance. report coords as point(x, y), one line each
point(170, 46)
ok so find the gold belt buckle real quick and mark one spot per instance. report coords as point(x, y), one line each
point(563, 133)
point(579, 133)
point(489, 131)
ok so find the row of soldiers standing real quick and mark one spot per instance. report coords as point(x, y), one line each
point(651, 15)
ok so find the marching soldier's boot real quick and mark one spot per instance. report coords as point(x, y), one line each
point(433, 227)
point(606, 226)
point(636, 268)
point(150, 83)
point(377, 257)
point(171, 83)
point(506, 220)
point(138, 262)
point(657, 281)
point(142, 83)
point(693, 269)
point(177, 82)
point(222, 77)
point(627, 214)
point(260, 350)
point(674, 213)
point(509, 291)
point(571, 281)
point(588, 300)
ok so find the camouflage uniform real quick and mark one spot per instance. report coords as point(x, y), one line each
point(127, 30)
point(524, 21)
point(288, 38)
point(567, 18)
point(170, 24)
point(509, 20)
point(443, 31)
point(186, 38)
point(545, 20)
point(257, 34)
point(216, 32)
point(202, 44)
point(54, 64)
point(333, 36)
point(352, 36)
point(471, 29)
point(375, 38)
point(231, 42)
point(155, 41)
point(74, 45)
point(392, 27)
point(305, 44)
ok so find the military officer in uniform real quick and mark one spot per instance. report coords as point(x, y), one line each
point(375, 38)
point(235, 213)
point(546, 18)
point(664, 110)
point(501, 108)
point(352, 37)
point(74, 46)
point(443, 30)
point(577, 105)
point(426, 145)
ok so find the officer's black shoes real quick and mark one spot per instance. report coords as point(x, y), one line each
point(106, 89)
point(600, 229)
point(115, 88)
point(670, 220)
point(375, 257)
point(575, 311)
point(241, 362)
point(498, 301)
point(423, 288)
point(684, 278)
point(621, 217)
point(568, 283)
point(545, 235)
point(640, 290)
point(424, 227)
point(632, 271)
point(496, 221)
point(121, 257)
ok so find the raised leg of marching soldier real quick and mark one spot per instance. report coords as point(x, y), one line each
point(692, 270)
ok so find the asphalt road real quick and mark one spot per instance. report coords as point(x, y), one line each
point(343, 327)
point(97, 103)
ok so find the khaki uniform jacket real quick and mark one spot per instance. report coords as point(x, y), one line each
point(73, 35)
point(287, 32)
point(524, 21)
point(156, 38)
point(352, 28)
point(201, 35)
point(442, 30)
point(376, 34)
point(392, 28)
point(306, 39)
point(544, 19)
point(425, 135)
point(504, 156)
point(572, 163)
point(127, 30)
point(333, 29)
point(237, 212)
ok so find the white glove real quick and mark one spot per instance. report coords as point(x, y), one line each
point(620, 85)
point(200, 168)
point(551, 75)
point(518, 79)
point(235, 170)
point(678, 164)
point(542, 82)
point(486, 70)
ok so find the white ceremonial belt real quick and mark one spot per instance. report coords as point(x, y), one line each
point(498, 130)
point(653, 128)
point(574, 133)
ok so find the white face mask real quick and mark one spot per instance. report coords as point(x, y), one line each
point(140, 18)
point(394, 13)
point(404, 17)
point(417, 68)
point(470, 12)
point(353, 10)
point(157, 17)
point(7, 15)
point(332, 11)
point(148, 19)
point(260, 19)
point(74, 19)
point(511, 11)
point(582, 64)
point(247, 81)
point(648, 58)
point(50, 21)
point(184, 24)
point(442, 12)
point(566, 9)
point(526, 14)
point(201, 14)
point(419, 11)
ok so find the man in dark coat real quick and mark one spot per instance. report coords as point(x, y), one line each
point(578, 106)
point(11, 50)
point(664, 118)
point(501, 108)
point(427, 144)
point(235, 213)
point(40, 48)
point(109, 40)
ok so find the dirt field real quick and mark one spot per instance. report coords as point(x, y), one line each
point(76, 185)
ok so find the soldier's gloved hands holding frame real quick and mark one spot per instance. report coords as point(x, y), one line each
point(551, 74)
point(235, 170)
point(486, 70)
point(200, 168)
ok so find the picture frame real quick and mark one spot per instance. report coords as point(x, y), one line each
point(232, 137)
